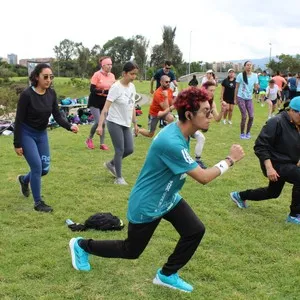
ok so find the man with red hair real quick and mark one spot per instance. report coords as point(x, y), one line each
point(155, 195)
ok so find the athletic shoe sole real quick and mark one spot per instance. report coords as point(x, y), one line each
point(157, 281)
point(71, 245)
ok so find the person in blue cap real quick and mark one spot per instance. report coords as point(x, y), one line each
point(278, 150)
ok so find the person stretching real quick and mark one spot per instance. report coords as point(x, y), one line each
point(155, 196)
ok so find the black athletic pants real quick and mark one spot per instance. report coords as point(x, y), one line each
point(184, 220)
point(288, 173)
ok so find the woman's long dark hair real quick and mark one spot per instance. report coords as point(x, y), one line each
point(36, 73)
point(245, 77)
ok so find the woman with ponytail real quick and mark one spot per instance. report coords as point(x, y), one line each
point(245, 82)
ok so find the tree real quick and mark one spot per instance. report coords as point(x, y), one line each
point(140, 46)
point(120, 50)
point(83, 57)
point(64, 53)
point(285, 63)
point(168, 50)
point(65, 50)
point(168, 42)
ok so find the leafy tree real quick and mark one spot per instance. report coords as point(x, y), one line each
point(65, 50)
point(168, 50)
point(120, 50)
point(168, 42)
point(83, 56)
point(140, 46)
point(285, 63)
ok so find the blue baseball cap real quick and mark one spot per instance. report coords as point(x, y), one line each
point(295, 103)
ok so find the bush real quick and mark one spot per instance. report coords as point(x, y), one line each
point(8, 100)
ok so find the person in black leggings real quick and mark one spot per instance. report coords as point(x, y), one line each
point(155, 195)
point(278, 149)
point(35, 106)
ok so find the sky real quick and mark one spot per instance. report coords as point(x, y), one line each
point(215, 30)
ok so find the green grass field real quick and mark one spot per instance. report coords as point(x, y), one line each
point(245, 254)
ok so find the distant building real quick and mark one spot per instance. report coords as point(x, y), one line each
point(24, 61)
point(12, 59)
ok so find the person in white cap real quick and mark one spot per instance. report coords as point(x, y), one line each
point(208, 77)
point(278, 150)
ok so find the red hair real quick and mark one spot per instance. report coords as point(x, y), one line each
point(189, 99)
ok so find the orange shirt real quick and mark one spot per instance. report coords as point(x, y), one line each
point(159, 98)
point(103, 81)
point(279, 80)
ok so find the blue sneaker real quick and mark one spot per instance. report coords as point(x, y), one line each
point(80, 258)
point(248, 136)
point(294, 220)
point(235, 196)
point(173, 281)
point(243, 136)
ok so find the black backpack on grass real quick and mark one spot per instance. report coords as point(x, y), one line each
point(99, 221)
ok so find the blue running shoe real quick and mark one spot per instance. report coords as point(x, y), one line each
point(243, 136)
point(294, 220)
point(248, 136)
point(235, 196)
point(173, 281)
point(80, 258)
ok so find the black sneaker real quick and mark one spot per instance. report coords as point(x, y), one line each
point(201, 163)
point(23, 186)
point(43, 207)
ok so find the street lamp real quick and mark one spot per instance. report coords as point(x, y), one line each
point(270, 44)
point(190, 52)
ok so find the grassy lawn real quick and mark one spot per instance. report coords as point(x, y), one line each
point(245, 254)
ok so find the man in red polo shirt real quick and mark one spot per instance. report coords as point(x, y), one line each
point(160, 107)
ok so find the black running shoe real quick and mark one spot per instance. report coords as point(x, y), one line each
point(42, 207)
point(23, 186)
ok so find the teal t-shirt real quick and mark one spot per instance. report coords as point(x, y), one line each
point(162, 176)
point(263, 81)
point(245, 90)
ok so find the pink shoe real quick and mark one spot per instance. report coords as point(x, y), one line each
point(103, 147)
point(89, 143)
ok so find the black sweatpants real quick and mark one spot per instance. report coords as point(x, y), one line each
point(184, 220)
point(288, 173)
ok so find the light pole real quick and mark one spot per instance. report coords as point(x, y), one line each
point(270, 57)
point(190, 52)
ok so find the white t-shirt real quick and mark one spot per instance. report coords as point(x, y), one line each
point(123, 99)
point(272, 93)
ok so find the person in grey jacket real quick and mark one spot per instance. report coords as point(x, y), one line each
point(278, 150)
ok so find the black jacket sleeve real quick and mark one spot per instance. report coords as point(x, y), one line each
point(57, 115)
point(93, 89)
point(265, 142)
point(20, 117)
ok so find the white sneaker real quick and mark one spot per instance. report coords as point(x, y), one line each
point(229, 122)
point(121, 181)
point(224, 122)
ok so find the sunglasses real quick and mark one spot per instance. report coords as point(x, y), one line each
point(207, 113)
point(167, 81)
point(167, 68)
point(48, 76)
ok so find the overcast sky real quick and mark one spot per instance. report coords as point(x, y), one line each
point(212, 30)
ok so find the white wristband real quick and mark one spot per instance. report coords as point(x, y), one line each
point(222, 166)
